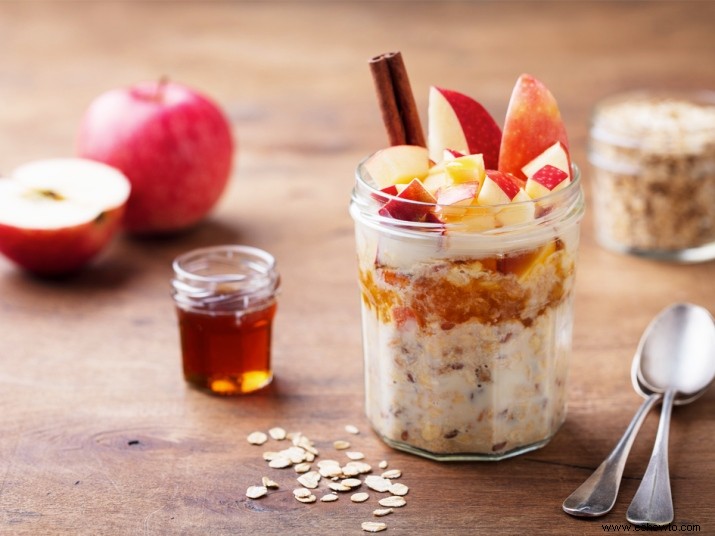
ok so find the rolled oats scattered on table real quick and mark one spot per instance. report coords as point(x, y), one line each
point(338, 478)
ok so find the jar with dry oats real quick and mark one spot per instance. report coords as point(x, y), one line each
point(653, 184)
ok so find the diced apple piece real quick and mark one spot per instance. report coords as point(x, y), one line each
point(398, 164)
point(533, 123)
point(414, 203)
point(523, 264)
point(459, 194)
point(451, 154)
point(459, 123)
point(546, 180)
point(391, 191)
point(436, 179)
point(474, 219)
point(431, 217)
point(555, 155)
point(466, 169)
point(498, 189)
point(521, 209)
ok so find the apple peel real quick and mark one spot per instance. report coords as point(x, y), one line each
point(56, 215)
point(459, 123)
point(533, 123)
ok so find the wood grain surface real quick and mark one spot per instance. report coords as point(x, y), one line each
point(98, 432)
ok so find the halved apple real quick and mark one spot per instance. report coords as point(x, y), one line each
point(459, 123)
point(533, 123)
point(398, 164)
point(56, 215)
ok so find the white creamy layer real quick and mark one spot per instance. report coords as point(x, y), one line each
point(473, 388)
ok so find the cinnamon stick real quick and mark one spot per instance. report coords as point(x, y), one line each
point(397, 103)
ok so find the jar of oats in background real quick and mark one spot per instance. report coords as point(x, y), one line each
point(653, 183)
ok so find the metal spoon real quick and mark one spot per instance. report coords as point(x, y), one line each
point(597, 495)
point(679, 361)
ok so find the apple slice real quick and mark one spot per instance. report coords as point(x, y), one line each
point(398, 164)
point(533, 123)
point(498, 189)
point(56, 215)
point(556, 155)
point(390, 190)
point(546, 180)
point(459, 123)
point(414, 203)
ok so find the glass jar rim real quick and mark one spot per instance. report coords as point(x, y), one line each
point(248, 279)
point(263, 263)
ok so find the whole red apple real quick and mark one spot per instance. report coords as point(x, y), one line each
point(173, 143)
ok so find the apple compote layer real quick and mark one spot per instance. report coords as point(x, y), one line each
point(468, 355)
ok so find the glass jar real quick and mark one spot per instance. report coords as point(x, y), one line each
point(466, 331)
point(225, 300)
point(653, 184)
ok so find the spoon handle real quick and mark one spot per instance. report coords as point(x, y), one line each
point(653, 503)
point(597, 495)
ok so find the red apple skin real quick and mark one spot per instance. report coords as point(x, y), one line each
point(550, 177)
point(59, 252)
point(508, 183)
point(174, 145)
point(414, 203)
point(481, 131)
point(533, 123)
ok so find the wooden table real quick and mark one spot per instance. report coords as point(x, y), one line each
point(98, 432)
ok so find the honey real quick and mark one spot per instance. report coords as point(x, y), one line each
point(226, 353)
point(225, 302)
point(489, 290)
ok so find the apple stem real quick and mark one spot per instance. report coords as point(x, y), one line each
point(161, 84)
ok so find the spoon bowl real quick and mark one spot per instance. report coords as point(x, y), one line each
point(676, 358)
point(677, 351)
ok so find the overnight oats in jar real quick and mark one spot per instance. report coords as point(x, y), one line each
point(466, 278)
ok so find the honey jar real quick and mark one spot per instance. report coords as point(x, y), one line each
point(225, 300)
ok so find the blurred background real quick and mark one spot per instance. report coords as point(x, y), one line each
point(304, 63)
